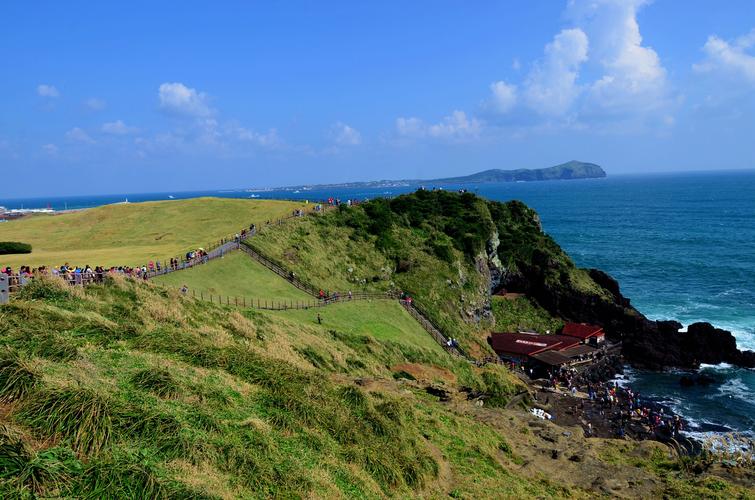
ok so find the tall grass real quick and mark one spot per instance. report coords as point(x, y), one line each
point(26, 471)
point(17, 377)
point(80, 416)
point(157, 381)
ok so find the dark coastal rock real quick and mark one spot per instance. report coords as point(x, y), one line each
point(655, 345)
point(696, 379)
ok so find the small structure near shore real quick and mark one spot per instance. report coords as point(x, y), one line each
point(521, 347)
point(545, 351)
point(589, 334)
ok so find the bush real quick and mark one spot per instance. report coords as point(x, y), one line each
point(14, 247)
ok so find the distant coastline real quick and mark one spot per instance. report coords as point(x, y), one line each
point(566, 171)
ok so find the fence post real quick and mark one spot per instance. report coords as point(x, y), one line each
point(4, 289)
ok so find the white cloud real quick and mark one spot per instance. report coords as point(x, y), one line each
point(344, 135)
point(269, 139)
point(45, 90)
point(634, 80)
point(50, 149)
point(118, 128)
point(551, 87)
point(177, 98)
point(455, 127)
point(504, 96)
point(730, 58)
point(410, 127)
point(95, 104)
point(78, 135)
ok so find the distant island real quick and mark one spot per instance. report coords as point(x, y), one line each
point(565, 171)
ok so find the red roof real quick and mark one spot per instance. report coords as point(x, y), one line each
point(582, 330)
point(527, 344)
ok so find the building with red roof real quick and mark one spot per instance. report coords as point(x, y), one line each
point(589, 334)
point(521, 346)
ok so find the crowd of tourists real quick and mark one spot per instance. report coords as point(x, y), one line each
point(83, 275)
point(615, 408)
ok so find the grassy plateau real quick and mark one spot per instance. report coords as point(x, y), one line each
point(135, 233)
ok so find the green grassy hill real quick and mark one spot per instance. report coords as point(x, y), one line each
point(381, 319)
point(128, 390)
point(134, 233)
point(442, 248)
point(234, 275)
point(522, 314)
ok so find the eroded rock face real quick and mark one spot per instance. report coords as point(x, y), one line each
point(655, 345)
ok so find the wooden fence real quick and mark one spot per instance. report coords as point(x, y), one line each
point(309, 288)
point(223, 246)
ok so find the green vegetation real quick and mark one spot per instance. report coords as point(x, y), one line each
point(381, 319)
point(522, 313)
point(569, 170)
point(135, 233)
point(168, 396)
point(14, 247)
point(129, 389)
point(235, 275)
point(437, 246)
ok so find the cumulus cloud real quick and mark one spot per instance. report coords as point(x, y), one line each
point(345, 135)
point(50, 149)
point(551, 87)
point(78, 135)
point(118, 128)
point(732, 58)
point(95, 104)
point(604, 39)
point(504, 96)
point(457, 126)
point(45, 90)
point(634, 80)
point(177, 98)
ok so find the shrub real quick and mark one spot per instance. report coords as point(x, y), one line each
point(14, 247)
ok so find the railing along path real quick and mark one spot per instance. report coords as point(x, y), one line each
point(11, 284)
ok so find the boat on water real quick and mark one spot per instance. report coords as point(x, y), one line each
point(254, 196)
point(171, 197)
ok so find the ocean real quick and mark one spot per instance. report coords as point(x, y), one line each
point(681, 245)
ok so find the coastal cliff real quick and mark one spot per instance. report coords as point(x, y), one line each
point(549, 276)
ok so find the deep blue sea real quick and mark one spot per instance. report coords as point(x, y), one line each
point(682, 246)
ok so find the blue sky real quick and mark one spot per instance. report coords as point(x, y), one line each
point(152, 96)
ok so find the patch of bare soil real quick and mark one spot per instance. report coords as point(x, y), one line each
point(426, 373)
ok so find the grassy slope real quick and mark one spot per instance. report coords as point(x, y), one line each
point(238, 275)
point(135, 233)
point(324, 252)
point(522, 313)
point(130, 390)
point(382, 319)
point(235, 275)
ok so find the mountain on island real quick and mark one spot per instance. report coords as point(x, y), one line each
point(569, 170)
